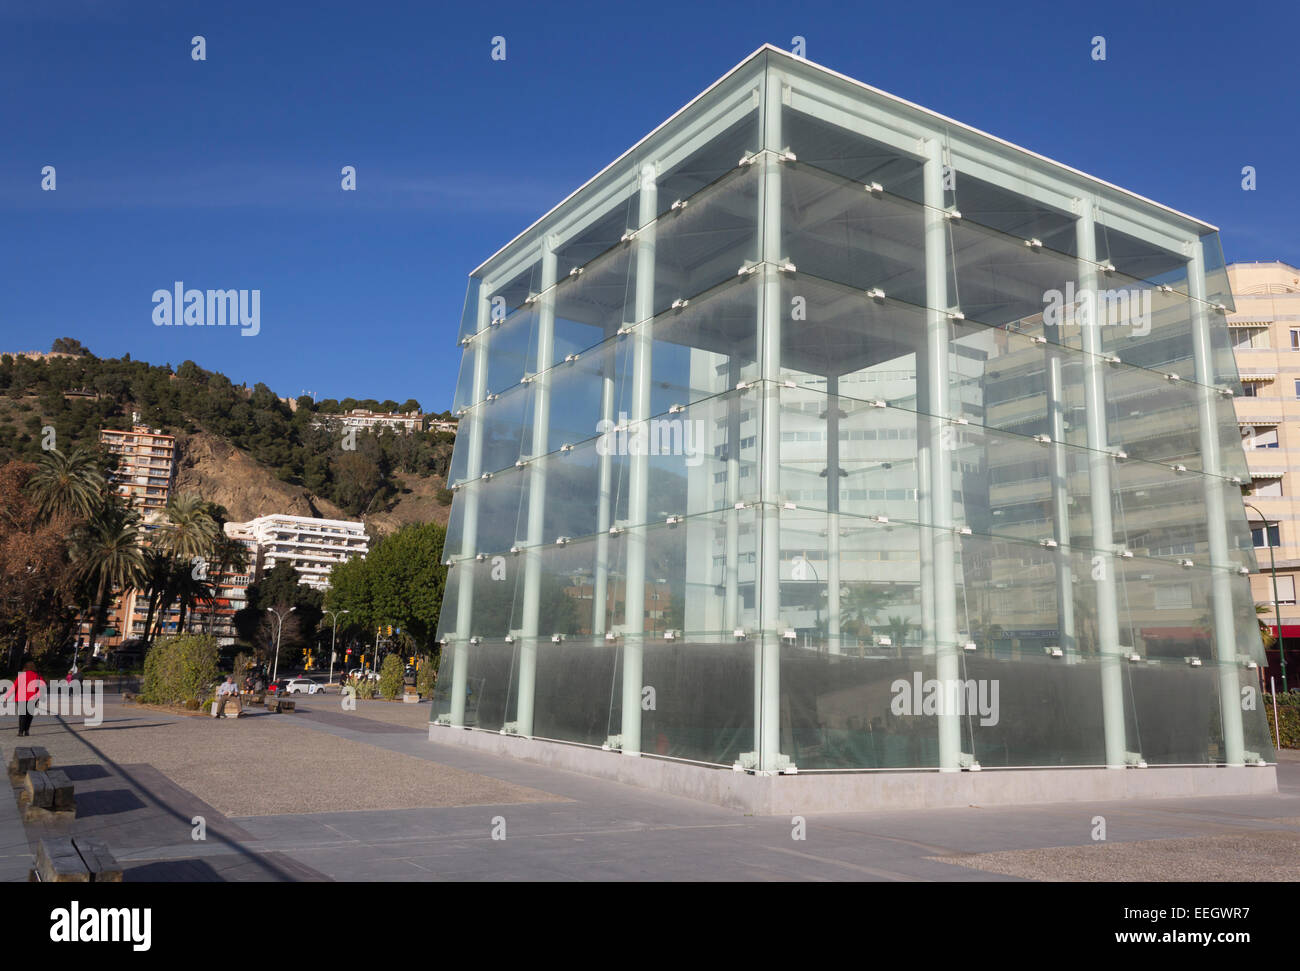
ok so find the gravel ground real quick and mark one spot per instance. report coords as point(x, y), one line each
point(1258, 857)
point(263, 765)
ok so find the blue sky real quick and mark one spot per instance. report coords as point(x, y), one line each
point(225, 173)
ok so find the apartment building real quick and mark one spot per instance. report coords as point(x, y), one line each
point(146, 469)
point(372, 420)
point(146, 466)
point(311, 546)
point(230, 592)
point(1265, 332)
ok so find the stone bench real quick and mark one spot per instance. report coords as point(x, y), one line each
point(25, 759)
point(77, 859)
point(46, 792)
point(278, 704)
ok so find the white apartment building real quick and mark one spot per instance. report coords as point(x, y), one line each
point(373, 420)
point(311, 546)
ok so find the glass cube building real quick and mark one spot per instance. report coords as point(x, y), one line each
point(821, 431)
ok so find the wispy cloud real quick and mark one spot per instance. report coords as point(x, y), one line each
point(246, 185)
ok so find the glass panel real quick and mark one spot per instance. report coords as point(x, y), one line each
point(836, 230)
point(850, 155)
point(464, 396)
point(511, 349)
point(707, 241)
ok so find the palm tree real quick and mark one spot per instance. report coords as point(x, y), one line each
point(190, 536)
point(193, 531)
point(229, 554)
point(191, 588)
point(898, 629)
point(157, 576)
point(67, 485)
point(108, 556)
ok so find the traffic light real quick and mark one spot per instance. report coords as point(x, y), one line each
point(390, 630)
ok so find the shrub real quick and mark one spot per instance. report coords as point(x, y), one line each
point(427, 676)
point(391, 678)
point(1289, 715)
point(179, 670)
point(362, 687)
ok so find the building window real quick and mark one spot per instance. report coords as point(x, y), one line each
point(1173, 597)
point(1285, 590)
point(1295, 339)
point(1244, 338)
point(1266, 487)
point(1264, 437)
point(1263, 542)
point(1253, 389)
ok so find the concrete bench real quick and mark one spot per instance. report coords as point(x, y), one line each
point(25, 759)
point(75, 860)
point(37, 793)
point(57, 861)
point(101, 863)
point(46, 792)
point(280, 704)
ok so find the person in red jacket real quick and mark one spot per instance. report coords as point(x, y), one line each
point(27, 691)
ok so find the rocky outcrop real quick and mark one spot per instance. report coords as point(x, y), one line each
point(214, 469)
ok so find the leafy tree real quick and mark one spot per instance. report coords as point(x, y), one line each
point(38, 582)
point(69, 345)
point(191, 534)
point(357, 480)
point(400, 582)
point(280, 589)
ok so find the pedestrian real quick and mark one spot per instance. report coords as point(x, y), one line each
point(27, 689)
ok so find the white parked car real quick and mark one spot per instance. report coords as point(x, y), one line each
point(302, 686)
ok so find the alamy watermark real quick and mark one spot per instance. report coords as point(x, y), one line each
point(658, 436)
point(66, 699)
point(953, 696)
point(208, 308)
point(1086, 307)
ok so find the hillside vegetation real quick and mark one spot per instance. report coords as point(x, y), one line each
point(246, 449)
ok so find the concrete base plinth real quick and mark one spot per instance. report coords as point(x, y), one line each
point(870, 790)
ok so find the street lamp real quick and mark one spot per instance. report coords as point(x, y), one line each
point(335, 636)
point(279, 628)
point(1277, 605)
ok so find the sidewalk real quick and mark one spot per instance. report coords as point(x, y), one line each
point(364, 795)
point(15, 855)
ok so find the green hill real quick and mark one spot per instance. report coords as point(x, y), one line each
point(244, 448)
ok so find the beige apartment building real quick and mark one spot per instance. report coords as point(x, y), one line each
point(1265, 331)
point(146, 470)
point(146, 466)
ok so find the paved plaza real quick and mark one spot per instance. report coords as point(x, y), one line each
point(328, 794)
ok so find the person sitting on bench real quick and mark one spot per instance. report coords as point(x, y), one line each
point(224, 693)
